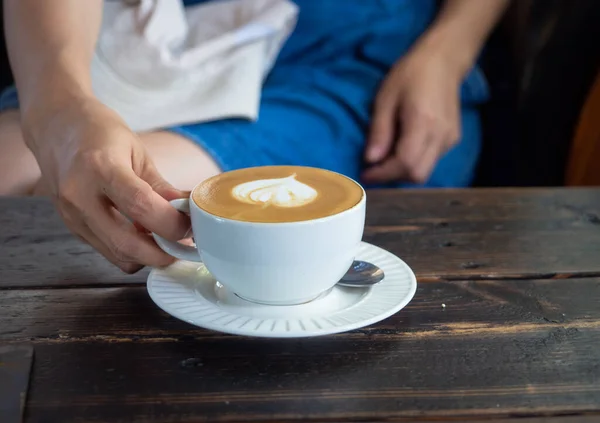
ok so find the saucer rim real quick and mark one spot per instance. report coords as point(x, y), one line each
point(295, 334)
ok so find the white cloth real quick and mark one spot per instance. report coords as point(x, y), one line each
point(159, 64)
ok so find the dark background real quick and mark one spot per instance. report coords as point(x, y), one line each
point(540, 62)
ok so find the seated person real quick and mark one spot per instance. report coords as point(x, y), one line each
point(385, 92)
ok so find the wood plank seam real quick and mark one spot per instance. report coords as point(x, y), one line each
point(420, 279)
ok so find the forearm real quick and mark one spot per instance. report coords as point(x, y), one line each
point(50, 46)
point(461, 29)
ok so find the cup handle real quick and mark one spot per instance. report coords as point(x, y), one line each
point(175, 249)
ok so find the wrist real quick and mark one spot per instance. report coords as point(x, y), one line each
point(63, 82)
point(449, 44)
point(52, 110)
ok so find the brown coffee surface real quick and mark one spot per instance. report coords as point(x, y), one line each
point(334, 194)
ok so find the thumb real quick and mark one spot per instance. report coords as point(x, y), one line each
point(160, 185)
point(383, 128)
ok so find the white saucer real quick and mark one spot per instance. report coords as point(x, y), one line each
point(188, 292)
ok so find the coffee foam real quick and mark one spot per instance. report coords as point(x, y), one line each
point(277, 194)
point(280, 192)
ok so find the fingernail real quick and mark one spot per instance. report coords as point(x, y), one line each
point(374, 154)
point(370, 155)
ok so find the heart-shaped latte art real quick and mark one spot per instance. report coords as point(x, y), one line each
point(281, 192)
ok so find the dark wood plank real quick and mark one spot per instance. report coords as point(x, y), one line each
point(382, 378)
point(518, 419)
point(453, 234)
point(555, 419)
point(37, 249)
point(474, 308)
point(489, 233)
point(499, 349)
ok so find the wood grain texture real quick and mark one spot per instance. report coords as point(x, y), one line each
point(453, 234)
point(377, 378)
point(472, 308)
point(499, 348)
point(36, 248)
point(517, 340)
point(555, 419)
point(489, 233)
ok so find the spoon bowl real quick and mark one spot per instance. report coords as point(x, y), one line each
point(362, 274)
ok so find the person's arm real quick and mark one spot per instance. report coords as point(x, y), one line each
point(416, 116)
point(50, 45)
point(94, 167)
point(461, 29)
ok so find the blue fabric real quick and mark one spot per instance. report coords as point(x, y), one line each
point(315, 106)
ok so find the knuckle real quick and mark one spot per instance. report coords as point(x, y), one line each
point(424, 116)
point(71, 186)
point(140, 203)
point(430, 120)
point(67, 192)
point(92, 159)
point(123, 249)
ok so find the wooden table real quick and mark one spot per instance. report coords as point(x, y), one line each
point(518, 340)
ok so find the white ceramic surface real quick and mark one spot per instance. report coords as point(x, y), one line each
point(187, 291)
point(273, 263)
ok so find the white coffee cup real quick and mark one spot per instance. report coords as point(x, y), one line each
point(272, 263)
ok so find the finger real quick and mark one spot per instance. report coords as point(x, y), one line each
point(389, 170)
point(160, 185)
point(409, 149)
point(422, 171)
point(414, 140)
point(98, 245)
point(382, 132)
point(85, 234)
point(123, 241)
point(136, 199)
point(163, 188)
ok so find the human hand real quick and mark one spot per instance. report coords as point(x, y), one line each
point(101, 179)
point(416, 118)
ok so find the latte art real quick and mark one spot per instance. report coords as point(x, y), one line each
point(277, 194)
point(280, 192)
